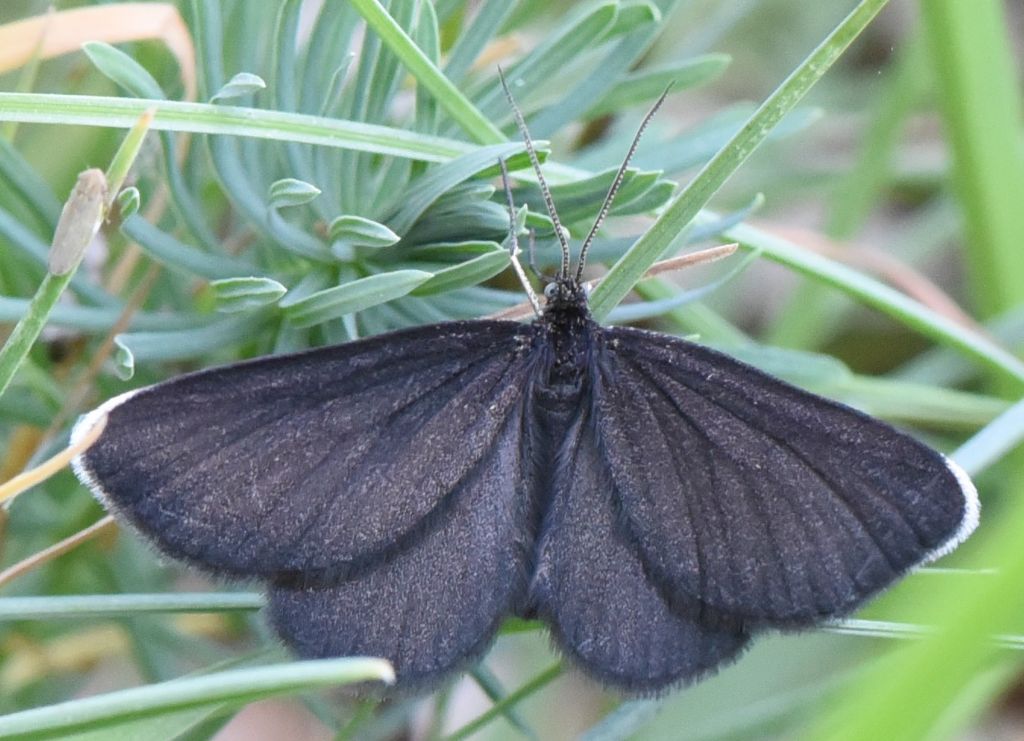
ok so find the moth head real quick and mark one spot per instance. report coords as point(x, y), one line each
point(564, 292)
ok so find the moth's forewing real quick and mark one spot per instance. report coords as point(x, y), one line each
point(589, 585)
point(761, 501)
point(312, 462)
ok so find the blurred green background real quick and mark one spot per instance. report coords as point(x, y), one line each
point(884, 213)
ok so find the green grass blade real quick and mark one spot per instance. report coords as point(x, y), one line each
point(813, 316)
point(537, 70)
point(81, 607)
point(80, 220)
point(535, 684)
point(650, 247)
point(236, 686)
point(1001, 436)
point(475, 124)
point(882, 297)
point(981, 104)
point(204, 118)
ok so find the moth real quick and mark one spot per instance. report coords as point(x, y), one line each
point(654, 502)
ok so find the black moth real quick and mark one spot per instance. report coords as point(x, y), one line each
point(654, 502)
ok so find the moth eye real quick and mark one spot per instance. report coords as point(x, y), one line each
point(550, 290)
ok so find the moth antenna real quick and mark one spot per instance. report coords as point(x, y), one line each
point(548, 201)
point(537, 273)
point(616, 184)
point(513, 240)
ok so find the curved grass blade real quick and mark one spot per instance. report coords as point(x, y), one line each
point(881, 297)
point(652, 245)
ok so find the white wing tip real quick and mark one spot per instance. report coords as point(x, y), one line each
point(79, 431)
point(972, 512)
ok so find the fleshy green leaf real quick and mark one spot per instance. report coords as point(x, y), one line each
point(646, 85)
point(122, 69)
point(128, 202)
point(244, 83)
point(291, 192)
point(354, 296)
point(468, 273)
point(233, 295)
point(360, 232)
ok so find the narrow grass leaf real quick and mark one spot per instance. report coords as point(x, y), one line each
point(237, 686)
point(623, 722)
point(534, 685)
point(879, 296)
point(997, 439)
point(651, 199)
point(648, 309)
point(535, 73)
point(20, 178)
point(204, 118)
point(83, 606)
point(93, 320)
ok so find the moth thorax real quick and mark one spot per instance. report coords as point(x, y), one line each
point(568, 333)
